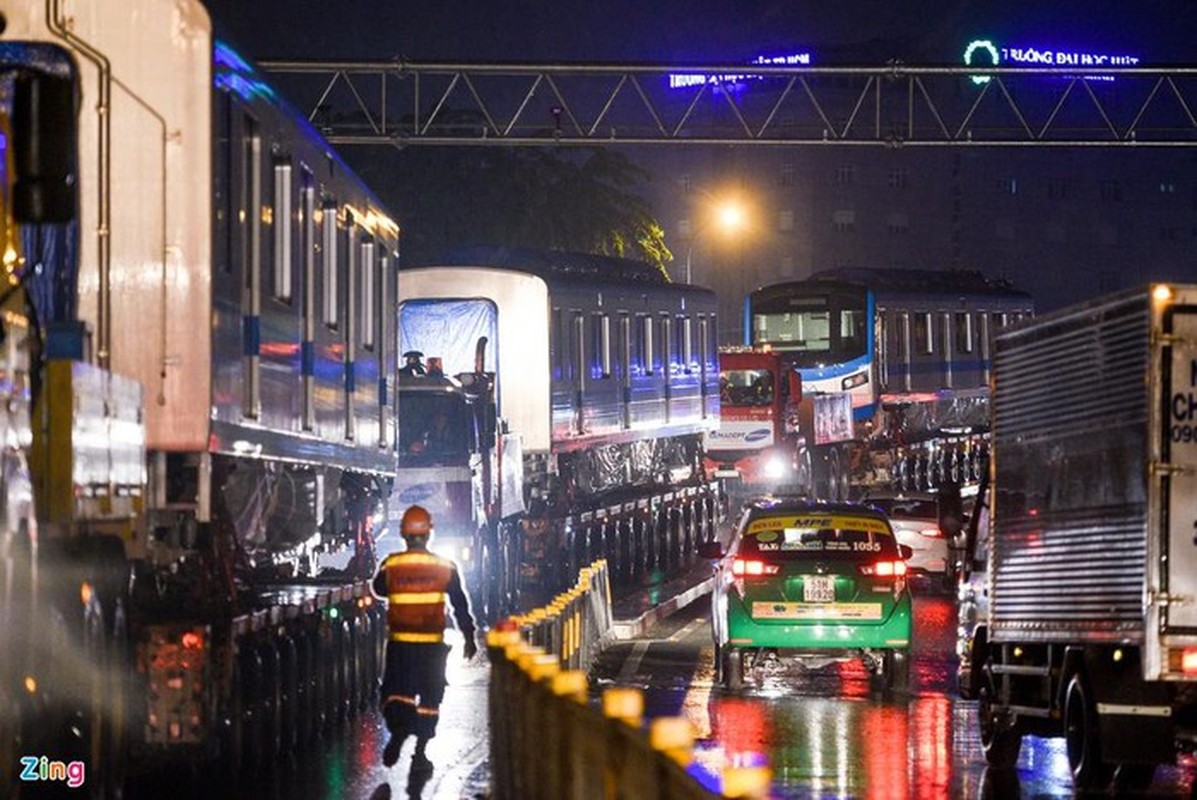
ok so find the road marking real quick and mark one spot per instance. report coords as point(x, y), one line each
point(682, 633)
point(633, 663)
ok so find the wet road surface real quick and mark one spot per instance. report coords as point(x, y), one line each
point(827, 734)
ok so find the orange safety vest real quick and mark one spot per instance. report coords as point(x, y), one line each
point(417, 583)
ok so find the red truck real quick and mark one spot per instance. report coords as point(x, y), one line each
point(773, 438)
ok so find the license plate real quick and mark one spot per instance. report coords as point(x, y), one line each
point(818, 589)
point(727, 473)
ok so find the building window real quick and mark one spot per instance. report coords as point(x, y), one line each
point(785, 220)
point(845, 175)
point(898, 224)
point(786, 177)
point(686, 183)
point(787, 265)
point(898, 177)
point(1008, 186)
point(1167, 187)
point(844, 221)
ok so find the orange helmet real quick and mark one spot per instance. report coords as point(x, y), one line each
point(416, 522)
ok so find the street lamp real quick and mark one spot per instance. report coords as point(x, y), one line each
point(728, 216)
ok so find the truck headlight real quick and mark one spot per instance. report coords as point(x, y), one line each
point(775, 467)
point(852, 381)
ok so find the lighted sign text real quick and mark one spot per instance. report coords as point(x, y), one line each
point(679, 81)
point(984, 53)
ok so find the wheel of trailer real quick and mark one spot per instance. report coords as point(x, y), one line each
point(305, 688)
point(895, 669)
point(999, 742)
point(731, 661)
point(1089, 772)
point(288, 668)
point(271, 701)
point(253, 711)
point(232, 735)
point(625, 551)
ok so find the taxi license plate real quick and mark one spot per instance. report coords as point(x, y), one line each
point(818, 589)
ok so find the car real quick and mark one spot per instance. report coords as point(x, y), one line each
point(810, 580)
point(914, 517)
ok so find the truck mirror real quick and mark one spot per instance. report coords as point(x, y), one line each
point(906, 551)
point(710, 550)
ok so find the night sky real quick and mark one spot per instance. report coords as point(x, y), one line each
point(839, 32)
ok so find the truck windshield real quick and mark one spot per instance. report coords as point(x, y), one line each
point(746, 387)
point(813, 330)
point(433, 427)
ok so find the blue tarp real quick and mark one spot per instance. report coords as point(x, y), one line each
point(450, 329)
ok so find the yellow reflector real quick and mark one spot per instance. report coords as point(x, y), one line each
point(30, 684)
point(571, 683)
point(624, 704)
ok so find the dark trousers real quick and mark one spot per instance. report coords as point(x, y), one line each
point(413, 687)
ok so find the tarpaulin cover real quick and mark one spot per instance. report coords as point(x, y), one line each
point(450, 329)
point(601, 470)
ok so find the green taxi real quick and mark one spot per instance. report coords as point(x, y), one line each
point(818, 581)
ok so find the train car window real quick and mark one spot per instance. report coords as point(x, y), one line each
point(328, 262)
point(648, 354)
point(601, 362)
point(945, 322)
point(924, 336)
point(667, 354)
point(852, 329)
point(625, 349)
point(251, 210)
point(383, 297)
point(983, 318)
point(904, 348)
point(579, 351)
point(307, 244)
point(685, 344)
point(368, 267)
point(964, 332)
point(1000, 319)
point(283, 220)
point(557, 344)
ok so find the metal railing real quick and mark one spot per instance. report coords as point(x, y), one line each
point(548, 740)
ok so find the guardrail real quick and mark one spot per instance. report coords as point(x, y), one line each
point(549, 741)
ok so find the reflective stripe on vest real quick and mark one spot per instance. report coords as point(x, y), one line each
point(417, 583)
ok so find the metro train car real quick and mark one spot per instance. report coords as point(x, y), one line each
point(600, 378)
point(198, 373)
point(885, 334)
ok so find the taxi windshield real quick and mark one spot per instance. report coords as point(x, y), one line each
point(796, 538)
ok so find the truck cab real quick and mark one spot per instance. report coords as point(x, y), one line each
point(757, 447)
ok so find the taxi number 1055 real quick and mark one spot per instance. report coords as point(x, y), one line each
point(867, 547)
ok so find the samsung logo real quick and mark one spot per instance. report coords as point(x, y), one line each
point(757, 435)
point(418, 493)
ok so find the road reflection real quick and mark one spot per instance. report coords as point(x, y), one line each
point(826, 733)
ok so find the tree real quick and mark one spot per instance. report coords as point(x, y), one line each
point(581, 200)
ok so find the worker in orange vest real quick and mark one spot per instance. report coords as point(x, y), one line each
point(416, 583)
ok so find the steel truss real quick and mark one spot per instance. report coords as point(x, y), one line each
point(403, 104)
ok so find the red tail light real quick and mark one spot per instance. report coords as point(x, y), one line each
point(934, 533)
point(884, 569)
point(751, 567)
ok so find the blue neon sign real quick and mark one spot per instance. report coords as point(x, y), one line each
point(683, 80)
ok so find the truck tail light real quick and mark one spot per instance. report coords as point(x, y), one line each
point(752, 567)
point(1188, 661)
point(884, 569)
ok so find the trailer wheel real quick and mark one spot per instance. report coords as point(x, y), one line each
point(999, 741)
point(732, 660)
point(1089, 772)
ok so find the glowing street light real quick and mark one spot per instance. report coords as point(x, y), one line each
point(728, 216)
